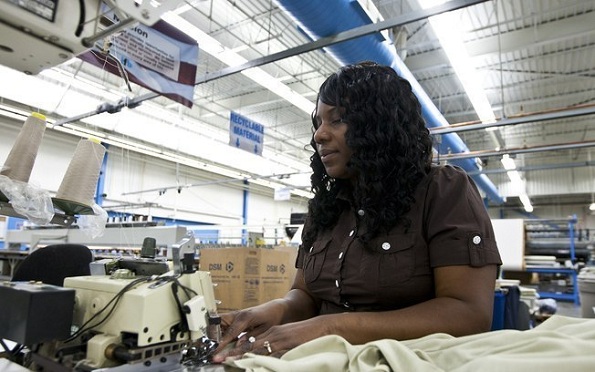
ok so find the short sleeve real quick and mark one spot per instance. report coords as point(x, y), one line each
point(299, 261)
point(459, 230)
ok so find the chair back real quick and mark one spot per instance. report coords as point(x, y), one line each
point(53, 263)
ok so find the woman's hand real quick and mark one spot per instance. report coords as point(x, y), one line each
point(244, 325)
point(245, 331)
point(277, 340)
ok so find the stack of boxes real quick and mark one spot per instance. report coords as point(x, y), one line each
point(245, 277)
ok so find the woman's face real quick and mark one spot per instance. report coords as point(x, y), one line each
point(330, 141)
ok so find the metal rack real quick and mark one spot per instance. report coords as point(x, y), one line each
point(60, 219)
point(112, 237)
point(561, 234)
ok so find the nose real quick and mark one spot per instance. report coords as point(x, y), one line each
point(321, 135)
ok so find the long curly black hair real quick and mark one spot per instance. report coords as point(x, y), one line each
point(392, 149)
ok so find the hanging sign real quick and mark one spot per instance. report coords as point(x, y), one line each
point(245, 134)
point(158, 57)
point(282, 193)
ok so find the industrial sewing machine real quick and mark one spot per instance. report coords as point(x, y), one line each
point(118, 321)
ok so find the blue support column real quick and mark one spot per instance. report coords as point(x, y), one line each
point(571, 225)
point(99, 192)
point(245, 214)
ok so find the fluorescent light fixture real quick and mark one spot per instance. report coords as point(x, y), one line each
point(592, 207)
point(517, 182)
point(526, 203)
point(518, 185)
point(231, 58)
point(446, 29)
point(508, 162)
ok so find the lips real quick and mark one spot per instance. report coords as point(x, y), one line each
point(325, 152)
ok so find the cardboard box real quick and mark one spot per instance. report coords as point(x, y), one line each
point(247, 277)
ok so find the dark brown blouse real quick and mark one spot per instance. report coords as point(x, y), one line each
point(450, 226)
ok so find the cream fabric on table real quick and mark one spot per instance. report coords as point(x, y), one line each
point(559, 344)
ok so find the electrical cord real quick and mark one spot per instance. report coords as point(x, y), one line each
point(4, 346)
point(174, 289)
point(188, 292)
point(82, 15)
point(115, 300)
point(11, 353)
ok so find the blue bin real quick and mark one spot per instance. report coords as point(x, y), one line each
point(499, 310)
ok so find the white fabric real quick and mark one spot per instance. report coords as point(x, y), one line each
point(559, 344)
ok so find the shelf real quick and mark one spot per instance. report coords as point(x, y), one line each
point(556, 236)
point(561, 296)
point(551, 270)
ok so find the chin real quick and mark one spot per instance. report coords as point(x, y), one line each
point(338, 175)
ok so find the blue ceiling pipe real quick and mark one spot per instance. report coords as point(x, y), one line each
point(329, 17)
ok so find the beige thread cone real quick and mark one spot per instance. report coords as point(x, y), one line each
point(80, 180)
point(20, 160)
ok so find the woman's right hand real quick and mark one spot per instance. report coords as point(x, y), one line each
point(250, 322)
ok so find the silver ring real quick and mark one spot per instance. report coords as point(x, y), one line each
point(267, 345)
point(251, 339)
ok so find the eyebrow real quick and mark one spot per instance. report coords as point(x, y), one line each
point(334, 110)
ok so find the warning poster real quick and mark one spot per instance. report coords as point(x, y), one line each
point(159, 58)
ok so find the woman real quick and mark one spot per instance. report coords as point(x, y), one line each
point(393, 247)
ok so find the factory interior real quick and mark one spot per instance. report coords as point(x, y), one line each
point(155, 173)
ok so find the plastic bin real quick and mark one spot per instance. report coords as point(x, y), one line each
point(499, 302)
point(586, 287)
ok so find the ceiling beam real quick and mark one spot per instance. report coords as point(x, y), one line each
point(517, 150)
point(554, 115)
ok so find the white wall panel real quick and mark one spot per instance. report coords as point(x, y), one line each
point(559, 181)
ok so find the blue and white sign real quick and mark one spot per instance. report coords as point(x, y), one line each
point(159, 58)
point(245, 134)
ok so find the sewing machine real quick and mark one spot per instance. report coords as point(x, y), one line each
point(118, 321)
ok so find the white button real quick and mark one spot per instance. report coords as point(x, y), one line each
point(337, 283)
point(476, 239)
point(311, 249)
point(386, 246)
point(361, 212)
point(351, 232)
point(340, 255)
